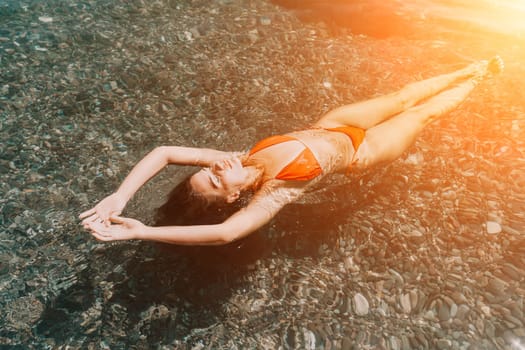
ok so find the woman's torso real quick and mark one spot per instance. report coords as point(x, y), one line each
point(333, 152)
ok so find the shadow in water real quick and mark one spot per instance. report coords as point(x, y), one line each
point(163, 291)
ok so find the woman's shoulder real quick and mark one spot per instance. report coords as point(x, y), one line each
point(279, 192)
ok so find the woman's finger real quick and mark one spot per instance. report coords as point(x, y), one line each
point(87, 213)
point(89, 219)
point(117, 219)
point(104, 214)
point(99, 227)
point(100, 237)
point(107, 219)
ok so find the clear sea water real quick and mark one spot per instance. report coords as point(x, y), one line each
point(87, 87)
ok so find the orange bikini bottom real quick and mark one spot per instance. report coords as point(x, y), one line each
point(305, 166)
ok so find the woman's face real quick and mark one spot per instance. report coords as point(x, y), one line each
point(223, 180)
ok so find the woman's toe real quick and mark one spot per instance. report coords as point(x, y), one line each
point(496, 65)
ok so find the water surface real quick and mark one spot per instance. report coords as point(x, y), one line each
point(396, 257)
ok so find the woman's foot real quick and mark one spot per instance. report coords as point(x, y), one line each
point(495, 65)
point(483, 69)
point(476, 69)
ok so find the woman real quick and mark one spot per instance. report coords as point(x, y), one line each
point(280, 168)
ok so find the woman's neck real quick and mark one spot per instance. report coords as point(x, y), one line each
point(255, 174)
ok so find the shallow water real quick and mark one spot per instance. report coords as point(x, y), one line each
point(398, 257)
point(408, 18)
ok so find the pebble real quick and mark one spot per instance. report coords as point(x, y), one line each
point(422, 299)
point(444, 312)
point(449, 195)
point(510, 338)
point(360, 304)
point(497, 286)
point(415, 236)
point(519, 332)
point(494, 216)
point(490, 330)
point(253, 36)
point(512, 272)
point(486, 310)
point(397, 278)
point(443, 344)
point(395, 344)
point(493, 227)
point(45, 19)
point(515, 321)
point(405, 303)
point(41, 49)
point(382, 309)
point(414, 299)
point(423, 342)
point(195, 32)
point(430, 315)
point(414, 159)
point(350, 265)
point(265, 21)
point(453, 310)
point(463, 311)
point(458, 297)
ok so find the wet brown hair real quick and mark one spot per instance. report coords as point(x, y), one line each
point(184, 206)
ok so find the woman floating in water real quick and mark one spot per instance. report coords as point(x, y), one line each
point(280, 168)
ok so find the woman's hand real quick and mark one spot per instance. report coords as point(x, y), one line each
point(111, 205)
point(120, 229)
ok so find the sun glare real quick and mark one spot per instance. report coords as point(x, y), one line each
point(511, 4)
point(506, 16)
point(497, 16)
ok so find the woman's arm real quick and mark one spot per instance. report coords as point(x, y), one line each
point(259, 212)
point(239, 225)
point(161, 156)
point(193, 156)
point(145, 169)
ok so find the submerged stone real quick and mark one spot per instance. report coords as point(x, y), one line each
point(45, 19)
point(361, 304)
point(493, 227)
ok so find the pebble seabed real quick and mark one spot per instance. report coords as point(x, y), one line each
point(427, 252)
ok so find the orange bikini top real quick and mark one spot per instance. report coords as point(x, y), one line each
point(303, 168)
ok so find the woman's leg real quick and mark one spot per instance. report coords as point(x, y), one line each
point(369, 113)
point(388, 140)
